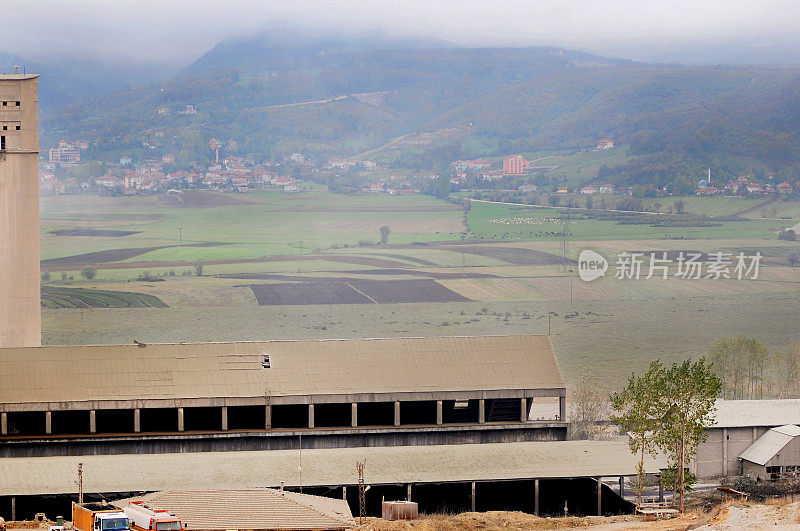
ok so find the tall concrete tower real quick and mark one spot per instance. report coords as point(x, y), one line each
point(20, 299)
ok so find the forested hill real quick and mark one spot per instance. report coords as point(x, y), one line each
point(285, 90)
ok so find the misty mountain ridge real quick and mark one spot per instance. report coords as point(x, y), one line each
point(282, 89)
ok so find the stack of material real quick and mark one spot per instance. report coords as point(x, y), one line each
point(251, 509)
point(399, 510)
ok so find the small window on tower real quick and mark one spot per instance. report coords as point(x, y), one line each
point(5, 128)
point(2, 143)
point(5, 103)
point(17, 104)
point(17, 128)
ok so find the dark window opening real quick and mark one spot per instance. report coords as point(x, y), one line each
point(418, 412)
point(5, 104)
point(114, 420)
point(160, 419)
point(5, 128)
point(202, 418)
point(376, 413)
point(246, 417)
point(332, 415)
point(503, 410)
point(17, 128)
point(290, 416)
point(2, 143)
point(70, 422)
point(17, 104)
point(26, 423)
point(459, 411)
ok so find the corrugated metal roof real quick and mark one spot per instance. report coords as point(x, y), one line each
point(252, 509)
point(157, 371)
point(772, 442)
point(746, 413)
point(332, 466)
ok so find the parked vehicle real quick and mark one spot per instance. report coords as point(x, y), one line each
point(144, 518)
point(98, 517)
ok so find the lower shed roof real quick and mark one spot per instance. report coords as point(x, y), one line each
point(320, 467)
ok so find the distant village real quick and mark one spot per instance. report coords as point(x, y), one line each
point(295, 173)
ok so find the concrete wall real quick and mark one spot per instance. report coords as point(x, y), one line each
point(788, 456)
point(710, 461)
point(286, 440)
point(20, 305)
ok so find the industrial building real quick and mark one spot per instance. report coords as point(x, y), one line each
point(738, 425)
point(536, 477)
point(251, 509)
point(774, 455)
point(75, 400)
point(20, 304)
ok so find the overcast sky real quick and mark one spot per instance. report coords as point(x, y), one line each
point(181, 30)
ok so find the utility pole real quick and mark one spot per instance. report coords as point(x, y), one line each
point(80, 483)
point(180, 236)
point(300, 467)
point(362, 493)
point(565, 222)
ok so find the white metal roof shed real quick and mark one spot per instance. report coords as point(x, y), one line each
point(768, 445)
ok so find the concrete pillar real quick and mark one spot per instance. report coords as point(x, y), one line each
point(562, 408)
point(13, 508)
point(3, 423)
point(180, 419)
point(224, 419)
point(311, 415)
point(724, 451)
point(599, 497)
point(473, 497)
point(137, 420)
point(660, 488)
point(397, 413)
point(523, 410)
point(622, 487)
point(92, 421)
point(354, 414)
point(408, 492)
point(344, 493)
point(536, 497)
point(481, 411)
point(48, 422)
point(439, 412)
point(268, 417)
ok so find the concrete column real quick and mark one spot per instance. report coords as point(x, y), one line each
point(137, 420)
point(268, 417)
point(48, 422)
point(622, 487)
point(3, 423)
point(397, 413)
point(439, 412)
point(344, 493)
point(724, 451)
point(92, 421)
point(224, 419)
point(660, 488)
point(473, 497)
point(536, 497)
point(180, 419)
point(562, 408)
point(481, 411)
point(408, 492)
point(13, 508)
point(523, 410)
point(311, 415)
point(599, 497)
point(354, 414)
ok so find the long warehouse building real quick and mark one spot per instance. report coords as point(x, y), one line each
point(157, 398)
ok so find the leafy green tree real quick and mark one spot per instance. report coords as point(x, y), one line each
point(680, 206)
point(385, 232)
point(88, 273)
point(794, 258)
point(199, 264)
point(687, 409)
point(45, 276)
point(636, 413)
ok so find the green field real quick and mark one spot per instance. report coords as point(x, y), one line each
point(512, 275)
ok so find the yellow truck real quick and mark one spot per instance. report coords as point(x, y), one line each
point(99, 517)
